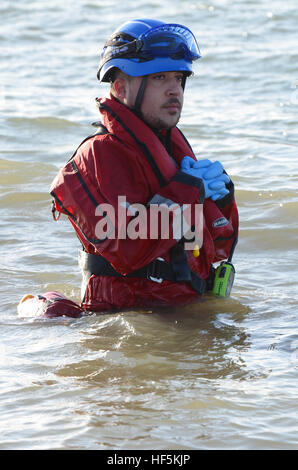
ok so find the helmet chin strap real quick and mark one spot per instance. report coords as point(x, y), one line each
point(139, 97)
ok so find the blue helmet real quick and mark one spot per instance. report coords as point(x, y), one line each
point(144, 46)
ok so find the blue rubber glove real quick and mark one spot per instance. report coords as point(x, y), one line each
point(211, 174)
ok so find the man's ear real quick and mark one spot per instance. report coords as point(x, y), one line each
point(120, 88)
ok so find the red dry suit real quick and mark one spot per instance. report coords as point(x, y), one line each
point(130, 161)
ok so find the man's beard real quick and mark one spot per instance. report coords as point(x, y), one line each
point(159, 124)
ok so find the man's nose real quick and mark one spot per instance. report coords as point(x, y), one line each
point(174, 88)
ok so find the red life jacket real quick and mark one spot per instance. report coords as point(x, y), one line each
point(130, 160)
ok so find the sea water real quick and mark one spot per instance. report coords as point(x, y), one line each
point(219, 374)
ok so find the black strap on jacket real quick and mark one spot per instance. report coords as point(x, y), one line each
point(157, 270)
point(183, 273)
point(98, 265)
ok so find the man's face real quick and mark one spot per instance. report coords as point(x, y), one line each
point(163, 98)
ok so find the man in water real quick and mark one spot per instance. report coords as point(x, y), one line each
point(151, 218)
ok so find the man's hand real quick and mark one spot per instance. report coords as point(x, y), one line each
point(212, 175)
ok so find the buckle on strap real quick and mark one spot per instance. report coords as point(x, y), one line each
point(154, 270)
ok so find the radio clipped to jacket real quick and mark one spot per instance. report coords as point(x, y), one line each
point(224, 278)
